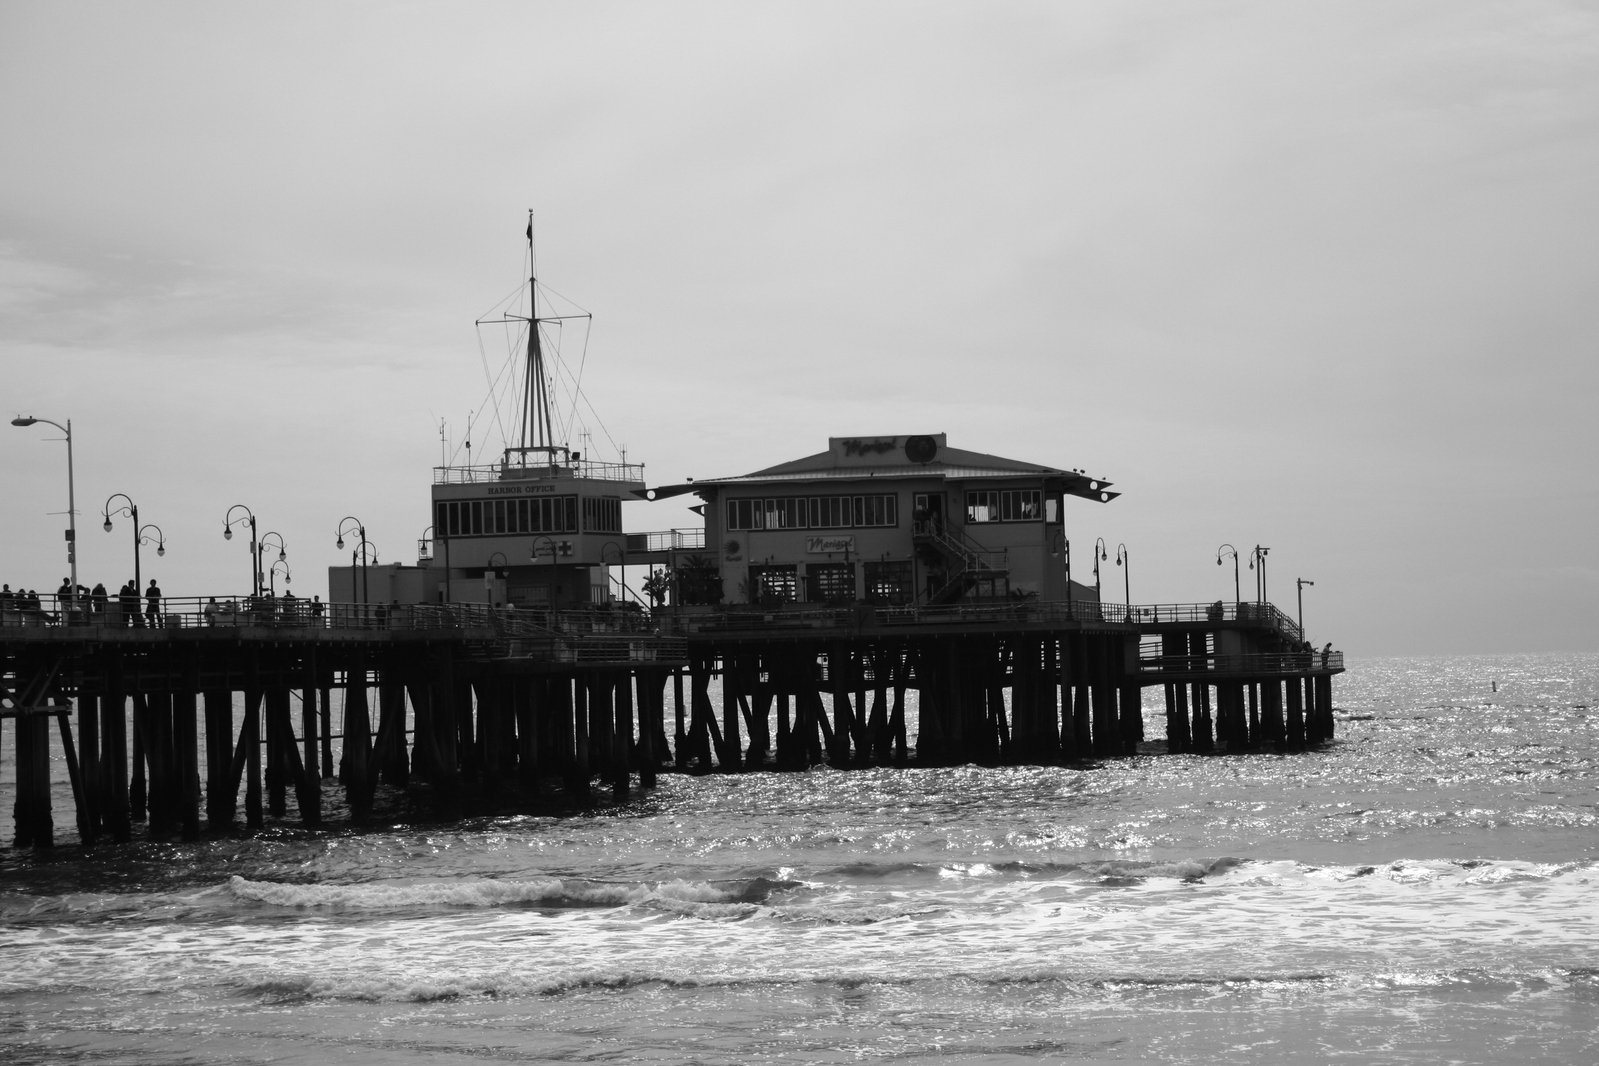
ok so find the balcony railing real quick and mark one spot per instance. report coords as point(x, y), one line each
point(667, 540)
point(502, 471)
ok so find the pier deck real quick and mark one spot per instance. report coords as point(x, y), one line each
point(466, 699)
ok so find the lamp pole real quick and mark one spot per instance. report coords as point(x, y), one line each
point(261, 547)
point(1259, 555)
point(72, 506)
point(1099, 553)
point(554, 551)
point(228, 522)
point(272, 574)
point(1300, 584)
point(437, 536)
point(621, 561)
point(1124, 560)
point(1066, 552)
point(360, 528)
point(130, 509)
point(1230, 550)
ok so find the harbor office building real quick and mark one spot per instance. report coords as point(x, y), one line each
point(892, 520)
point(542, 531)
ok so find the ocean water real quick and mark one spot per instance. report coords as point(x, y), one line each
point(1424, 890)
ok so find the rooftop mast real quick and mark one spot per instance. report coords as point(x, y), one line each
point(538, 434)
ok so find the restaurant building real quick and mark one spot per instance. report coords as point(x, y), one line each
point(893, 520)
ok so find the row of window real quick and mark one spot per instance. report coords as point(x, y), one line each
point(813, 512)
point(885, 582)
point(542, 514)
point(857, 512)
point(1004, 505)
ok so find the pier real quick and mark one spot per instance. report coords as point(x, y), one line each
point(259, 704)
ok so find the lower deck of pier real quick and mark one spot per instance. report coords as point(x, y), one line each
point(194, 741)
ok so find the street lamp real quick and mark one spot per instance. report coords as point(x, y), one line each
point(1099, 553)
point(621, 559)
point(564, 548)
point(1259, 554)
point(130, 509)
point(425, 541)
point(360, 528)
point(272, 573)
point(1300, 584)
point(72, 506)
point(228, 522)
point(283, 550)
point(1124, 560)
point(1230, 550)
point(1065, 549)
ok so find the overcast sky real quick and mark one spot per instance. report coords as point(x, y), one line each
point(1315, 276)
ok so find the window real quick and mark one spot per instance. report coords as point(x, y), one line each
point(888, 582)
point(773, 585)
point(813, 512)
point(602, 514)
point(831, 582)
point(544, 514)
point(1004, 505)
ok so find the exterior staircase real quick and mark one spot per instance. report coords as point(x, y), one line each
point(965, 560)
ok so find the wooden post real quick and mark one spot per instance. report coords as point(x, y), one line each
point(114, 757)
point(622, 735)
point(138, 789)
point(250, 743)
point(311, 789)
point(91, 802)
point(186, 743)
point(35, 826)
point(357, 744)
point(1295, 739)
point(277, 724)
point(652, 709)
point(221, 789)
point(1272, 729)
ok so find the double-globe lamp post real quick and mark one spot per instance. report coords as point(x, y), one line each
point(360, 529)
point(1301, 582)
point(228, 522)
point(1124, 560)
point(1099, 553)
point(1228, 549)
point(141, 534)
point(72, 506)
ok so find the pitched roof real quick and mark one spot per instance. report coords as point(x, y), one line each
point(855, 459)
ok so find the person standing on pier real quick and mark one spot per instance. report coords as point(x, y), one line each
point(152, 609)
point(64, 601)
point(128, 600)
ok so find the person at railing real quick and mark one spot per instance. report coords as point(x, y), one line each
point(316, 611)
point(210, 611)
point(128, 598)
point(152, 600)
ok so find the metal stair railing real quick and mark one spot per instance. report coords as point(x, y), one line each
point(970, 557)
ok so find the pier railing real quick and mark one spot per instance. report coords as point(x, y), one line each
point(667, 540)
point(582, 634)
point(1281, 664)
point(1022, 612)
point(581, 468)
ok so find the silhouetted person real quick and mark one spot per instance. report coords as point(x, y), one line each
point(128, 599)
point(152, 604)
point(99, 598)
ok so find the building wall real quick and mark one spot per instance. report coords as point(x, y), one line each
point(1033, 545)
